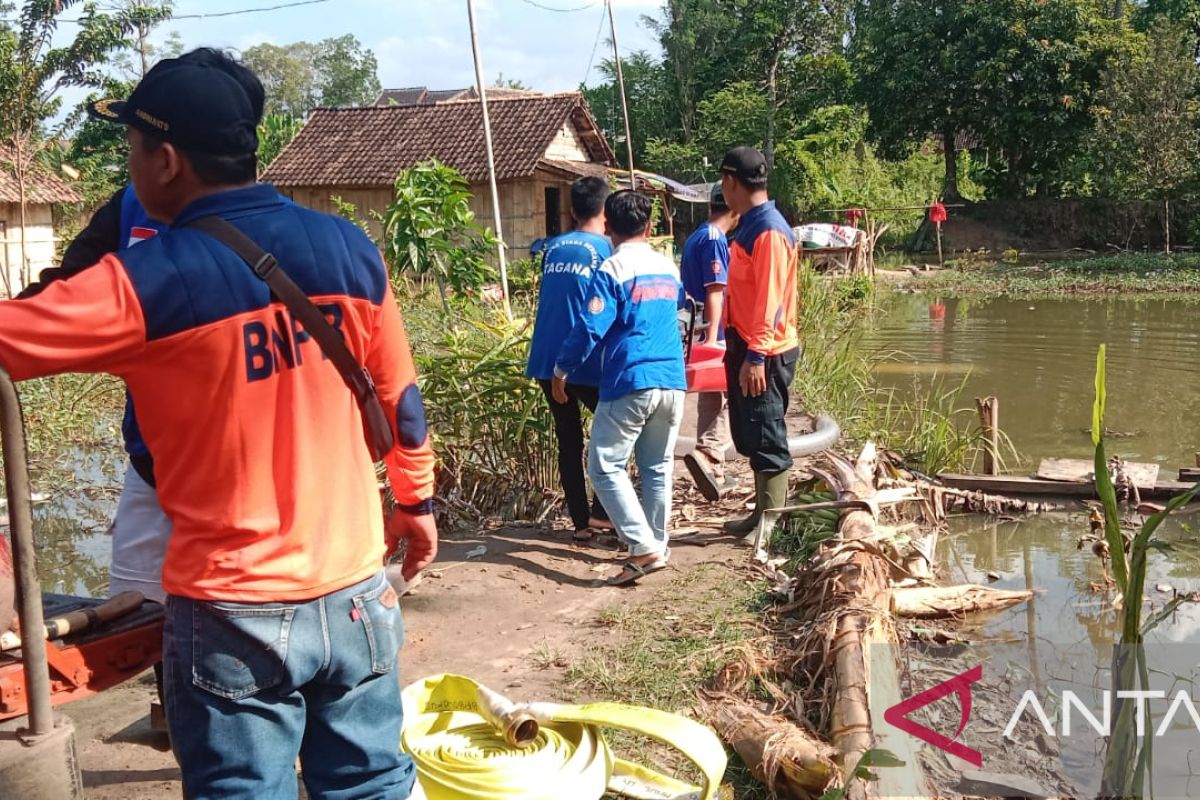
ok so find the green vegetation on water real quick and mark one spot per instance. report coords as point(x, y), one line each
point(1142, 274)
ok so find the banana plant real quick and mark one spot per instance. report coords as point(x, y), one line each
point(1129, 668)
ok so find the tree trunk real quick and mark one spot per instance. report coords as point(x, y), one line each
point(788, 760)
point(950, 185)
point(772, 99)
point(865, 659)
point(940, 602)
point(1167, 225)
point(683, 75)
point(23, 272)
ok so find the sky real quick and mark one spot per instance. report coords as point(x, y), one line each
point(427, 42)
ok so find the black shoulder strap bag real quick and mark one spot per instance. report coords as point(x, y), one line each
point(376, 428)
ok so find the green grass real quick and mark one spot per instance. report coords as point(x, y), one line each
point(659, 652)
point(1145, 274)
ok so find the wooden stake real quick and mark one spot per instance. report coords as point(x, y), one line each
point(989, 422)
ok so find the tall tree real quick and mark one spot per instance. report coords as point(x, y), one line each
point(1148, 120)
point(780, 32)
point(652, 109)
point(1019, 74)
point(346, 73)
point(36, 63)
point(300, 76)
point(1185, 13)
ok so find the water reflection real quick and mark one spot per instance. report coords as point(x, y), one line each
point(1038, 358)
point(1063, 639)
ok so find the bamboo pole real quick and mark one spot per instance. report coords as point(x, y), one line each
point(491, 159)
point(612, 24)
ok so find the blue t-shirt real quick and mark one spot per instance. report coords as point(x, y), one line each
point(705, 261)
point(568, 265)
point(632, 316)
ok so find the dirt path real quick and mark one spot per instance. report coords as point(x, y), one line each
point(515, 618)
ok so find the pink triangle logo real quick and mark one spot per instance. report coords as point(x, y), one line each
point(897, 715)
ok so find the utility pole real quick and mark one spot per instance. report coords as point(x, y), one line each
point(491, 159)
point(621, 87)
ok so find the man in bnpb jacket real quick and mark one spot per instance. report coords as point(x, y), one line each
point(282, 632)
point(632, 309)
point(568, 264)
point(140, 529)
point(760, 330)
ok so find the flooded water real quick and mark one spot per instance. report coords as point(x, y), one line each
point(1038, 358)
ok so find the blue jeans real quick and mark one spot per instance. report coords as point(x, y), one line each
point(251, 686)
point(646, 424)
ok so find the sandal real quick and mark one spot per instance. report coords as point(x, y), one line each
point(631, 572)
point(585, 535)
point(703, 477)
point(601, 524)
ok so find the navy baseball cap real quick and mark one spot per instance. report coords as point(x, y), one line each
point(746, 163)
point(191, 104)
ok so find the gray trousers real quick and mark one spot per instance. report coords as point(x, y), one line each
point(712, 426)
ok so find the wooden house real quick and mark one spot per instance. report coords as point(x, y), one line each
point(542, 143)
point(43, 192)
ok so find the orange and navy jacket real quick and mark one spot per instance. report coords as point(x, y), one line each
point(260, 457)
point(760, 298)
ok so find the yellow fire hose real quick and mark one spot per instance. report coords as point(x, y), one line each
point(470, 743)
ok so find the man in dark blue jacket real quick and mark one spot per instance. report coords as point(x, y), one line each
point(568, 264)
point(632, 315)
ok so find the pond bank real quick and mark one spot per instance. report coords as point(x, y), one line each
point(1129, 274)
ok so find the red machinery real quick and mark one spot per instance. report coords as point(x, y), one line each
point(90, 661)
point(103, 643)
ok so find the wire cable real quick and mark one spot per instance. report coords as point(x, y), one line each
point(215, 14)
point(595, 47)
point(536, 4)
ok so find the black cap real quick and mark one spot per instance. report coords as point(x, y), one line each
point(716, 197)
point(745, 163)
point(196, 106)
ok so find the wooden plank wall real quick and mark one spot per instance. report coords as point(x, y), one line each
point(522, 206)
point(40, 248)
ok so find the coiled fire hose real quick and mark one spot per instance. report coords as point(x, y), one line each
point(470, 743)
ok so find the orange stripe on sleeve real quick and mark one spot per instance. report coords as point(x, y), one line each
point(91, 322)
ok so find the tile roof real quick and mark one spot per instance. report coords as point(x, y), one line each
point(370, 146)
point(43, 188)
point(424, 96)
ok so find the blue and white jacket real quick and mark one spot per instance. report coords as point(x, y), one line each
point(631, 313)
point(570, 262)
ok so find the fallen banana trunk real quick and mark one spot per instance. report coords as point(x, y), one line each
point(862, 588)
point(942, 602)
point(790, 762)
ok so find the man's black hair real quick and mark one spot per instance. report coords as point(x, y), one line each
point(588, 196)
point(213, 170)
point(222, 170)
point(753, 184)
point(628, 212)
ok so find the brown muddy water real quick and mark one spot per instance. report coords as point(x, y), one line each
point(1039, 358)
